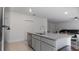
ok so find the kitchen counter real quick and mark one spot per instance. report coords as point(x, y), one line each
point(54, 36)
point(49, 41)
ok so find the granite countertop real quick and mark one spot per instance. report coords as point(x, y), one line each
point(54, 36)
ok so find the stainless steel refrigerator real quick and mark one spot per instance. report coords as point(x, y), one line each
point(3, 28)
point(1, 23)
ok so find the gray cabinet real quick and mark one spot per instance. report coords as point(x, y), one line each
point(29, 39)
point(40, 43)
point(37, 46)
point(33, 43)
point(46, 47)
point(49, 41)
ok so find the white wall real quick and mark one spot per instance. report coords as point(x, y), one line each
point(20, 25)
point(17, 27)
point(35, 24)
point(51, 27)
point(69, 25)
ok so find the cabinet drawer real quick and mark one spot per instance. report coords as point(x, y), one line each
point(49, 41)
point(46, 47)
point(36, 37)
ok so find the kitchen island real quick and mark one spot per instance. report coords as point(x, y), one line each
point(49, 41)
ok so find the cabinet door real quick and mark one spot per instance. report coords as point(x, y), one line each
point(37, 47)
point(49, 41)
point(33, 43)
point(46, 47)
point(29, 39)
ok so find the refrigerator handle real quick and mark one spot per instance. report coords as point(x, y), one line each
point(5, 26)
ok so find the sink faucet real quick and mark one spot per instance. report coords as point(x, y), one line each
point(43, 29)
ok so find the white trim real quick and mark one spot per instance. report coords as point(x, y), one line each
point(11, 41)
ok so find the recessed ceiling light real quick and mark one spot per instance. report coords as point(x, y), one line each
point(65, 12)
point(30, 10)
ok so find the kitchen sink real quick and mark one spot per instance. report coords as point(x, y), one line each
point(40, 33)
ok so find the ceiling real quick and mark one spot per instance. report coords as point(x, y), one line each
point(54, 14)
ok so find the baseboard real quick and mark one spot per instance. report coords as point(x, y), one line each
point(11, 41)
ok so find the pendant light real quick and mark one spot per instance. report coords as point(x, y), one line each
point(76, 18)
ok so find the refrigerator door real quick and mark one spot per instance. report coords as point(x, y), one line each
point(1, 18)
point(4, 27)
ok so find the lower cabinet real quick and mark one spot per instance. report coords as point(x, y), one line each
point(35, 44)
point(46, 47)
point(42, 44)
point(29, 39)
